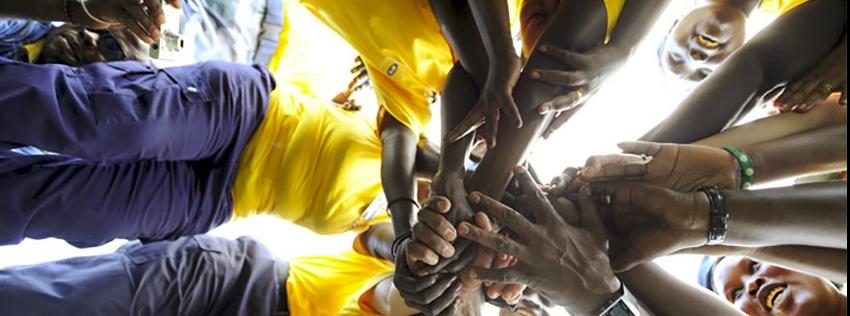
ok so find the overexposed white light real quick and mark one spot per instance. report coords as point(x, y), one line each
point(629, 104)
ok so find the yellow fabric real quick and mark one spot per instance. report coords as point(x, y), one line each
point(34, 50)
point(780, 6)
point(310, 56)
point(614, 8)
point(357, 305)
point(323, 285)
point(311, 163)
point(401, 44)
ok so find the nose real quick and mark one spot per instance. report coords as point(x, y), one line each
point(754, 283)
point(698, 55)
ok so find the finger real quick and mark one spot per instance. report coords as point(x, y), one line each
point(843, 99)
point(526, 182)
point(562, 181)
point(435, 291)
point(446, 300)
point(641, 148)
point(501, 276)
point(495, 290)
point(432, 240)
point(493, 241)
point(559, 78)
point(417, 251)
point(492, 127)
point(502, 214)
point(590, 220)
point(470, 122)
point(792, 91)
point(441, 204)
point(438, 224)
point(68, 45)
point(562, 103)
point(513, 293)
point(140, 23)
point(155, 11)
point(512, 111)
point(613, 166)
point(409, 284)
point(572, 59)
point(808, 88)
point(466, 257)
point(566, 209)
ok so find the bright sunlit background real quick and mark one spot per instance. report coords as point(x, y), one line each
point(634, 100)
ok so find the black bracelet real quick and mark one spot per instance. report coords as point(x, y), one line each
point(398, 240)
point(403, 199)
point(718, 216)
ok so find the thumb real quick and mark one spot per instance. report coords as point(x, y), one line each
point(640, 148)
point(470, 122)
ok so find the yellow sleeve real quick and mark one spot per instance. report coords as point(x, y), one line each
point(359, 305)
point(34, 50)
point(404, 105)
point(780, 6)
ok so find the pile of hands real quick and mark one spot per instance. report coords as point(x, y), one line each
point(565, 240)
point(133, 24)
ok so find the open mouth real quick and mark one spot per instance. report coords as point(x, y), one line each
point(707, 42)
point(770, 296)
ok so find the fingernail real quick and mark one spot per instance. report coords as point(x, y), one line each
point(448, 251)
point(544, 48)
point(544, 108)
point(492, 294)
point(475, 197)
point(535, 75)
point(442, 204)
point(488, 283)
point(463, 229)
point(519, 169)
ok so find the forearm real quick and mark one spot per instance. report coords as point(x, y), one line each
point(586, 22)
point(779, 126)
point(635, 21)
point(774, 56)
point(810, 214)
point(818, 150)
point(398, 156)
point(828, 263)
point(42, 10)
point(663, 294)
point(458, 97)
point(493, 23)
point(377, 241)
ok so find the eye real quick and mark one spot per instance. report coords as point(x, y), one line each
point(736, 295)
point(755, 266)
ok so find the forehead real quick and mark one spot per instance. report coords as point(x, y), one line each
point(726, 269)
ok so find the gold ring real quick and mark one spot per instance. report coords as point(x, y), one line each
point(579, 94)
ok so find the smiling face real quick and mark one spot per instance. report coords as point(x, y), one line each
point(762, 289)
point(702, 40)
point(535, 16)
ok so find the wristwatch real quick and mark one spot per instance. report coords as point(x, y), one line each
point(618, 305)
point(718, 216)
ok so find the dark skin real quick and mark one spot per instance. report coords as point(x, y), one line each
point(587, 22)
point(761, 289)
point(828, 263)
point(130, 14)
point(767, 61)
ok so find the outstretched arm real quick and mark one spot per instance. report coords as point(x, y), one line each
point(785, 50)
point(827, 263)
point(666, 295)
point(398, 175)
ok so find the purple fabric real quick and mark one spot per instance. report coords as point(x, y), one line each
point(199, 275)
point(143, 152)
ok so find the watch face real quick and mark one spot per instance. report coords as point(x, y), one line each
point(619, 309)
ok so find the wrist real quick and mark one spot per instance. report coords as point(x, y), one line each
point(595, 304)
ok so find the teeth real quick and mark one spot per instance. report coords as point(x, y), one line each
point(707, 43)
point(774, 296)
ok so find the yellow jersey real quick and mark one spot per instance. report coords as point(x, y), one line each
point(325, 285)
point(780, 6)
point(311, 163)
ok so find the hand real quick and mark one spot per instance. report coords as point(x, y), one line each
point(434, 294)
point(486, 258)
point(683, 168)
point(433, 234)
point(830, 75)
point(71, 45)
point(566, 263)
point(650, 221)
point(142, 17)
point(585, 73)
point(496, 96)
point(448, 185)
point(359, 80)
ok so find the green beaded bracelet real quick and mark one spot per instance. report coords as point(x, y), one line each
point(745, 164)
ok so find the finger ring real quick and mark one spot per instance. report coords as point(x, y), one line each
point(826, 88)
point(608, 199)
point(579, 94)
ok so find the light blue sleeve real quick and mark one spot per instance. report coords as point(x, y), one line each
point(16, 33)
